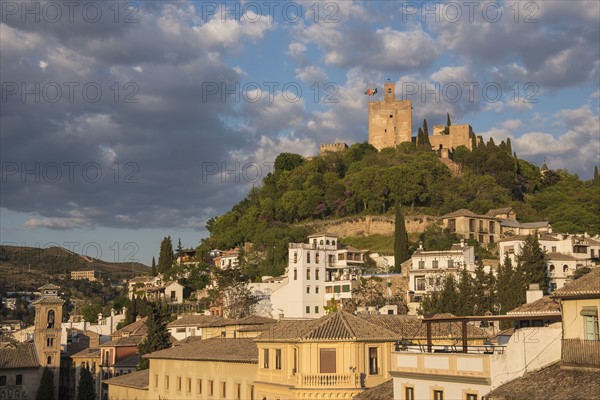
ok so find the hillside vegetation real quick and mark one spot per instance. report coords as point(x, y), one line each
point(362, 181)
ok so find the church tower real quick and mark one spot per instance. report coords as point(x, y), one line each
point(390, 120)
point(47, 330)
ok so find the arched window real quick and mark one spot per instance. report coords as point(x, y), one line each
point(333, 242)
point(327, 242)
point(565, 268)
point(49, 360)
point(551, 269)
point(51, 319)
point(321, 242)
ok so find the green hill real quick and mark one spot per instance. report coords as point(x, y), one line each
point(362, 181)
point(28, 268)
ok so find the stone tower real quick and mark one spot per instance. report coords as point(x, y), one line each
point(47, 329)
point(390, 120)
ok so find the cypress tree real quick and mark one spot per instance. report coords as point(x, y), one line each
point(158, 337)
point(596, 176)
point(466, 287)
point(532, 263)
point(509, 147)
point(85, 390)
point(400, 240)
point(448, 120)
point(166, 258)
point(425, 129)
point(46, 388)
point(153, 271)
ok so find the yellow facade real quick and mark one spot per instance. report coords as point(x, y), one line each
point(187, 379)
point(295, 370)
point(127, 393)
point(390, 120)
point(574, 324)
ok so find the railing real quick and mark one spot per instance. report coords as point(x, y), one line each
point(328, 380)
point(579, 351)
point(471, 349)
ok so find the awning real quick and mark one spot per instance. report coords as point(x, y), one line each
point(589, 311)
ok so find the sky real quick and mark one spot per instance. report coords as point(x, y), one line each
point(124, 122)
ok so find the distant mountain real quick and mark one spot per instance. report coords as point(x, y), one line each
point(26, 268)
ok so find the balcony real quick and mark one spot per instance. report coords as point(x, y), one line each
point(328, 381)
point(581, 352)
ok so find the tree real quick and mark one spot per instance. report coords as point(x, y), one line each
point(86, 390)
point(239, 301)
point(166, 258)
point(400, 240)
point(448, 123)
point(532, 263)
point(158, 337)
point(288, 162)
point(596, 176)
point(153, 271)
point(90, 312)
point(46, 389)
point(424, 143)
point(179, 248)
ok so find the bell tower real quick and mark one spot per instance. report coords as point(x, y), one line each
point(47, 330)
point(389, 89)
point(390, 120)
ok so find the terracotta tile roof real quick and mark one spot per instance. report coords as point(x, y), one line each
point(338, 326)
point(587, 285)
point(17, 356)
point(545, 305)
point(137, 328)
point(516, 224)
point(137, 380)
point(463, 212)
point(186, 340)
point(49, 286)
point(541, 236)
point(413, 328)
point(195, 320)
point(90, 352)
point(560, 257)
point(215, 349)
point(49, 300)
point(384, 391)
point(551, 383)
point(250, 320)
point(123, 341)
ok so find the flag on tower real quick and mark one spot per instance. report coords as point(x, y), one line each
point(371, 92)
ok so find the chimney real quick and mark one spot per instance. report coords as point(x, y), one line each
point(420, 245)
point(462, 243)
point(534, 293)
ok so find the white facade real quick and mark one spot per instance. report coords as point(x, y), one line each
point(104, 328)
point(564, 254)
point(318, 271)
point(457, 375)
point(429, 268)
point(263, 291)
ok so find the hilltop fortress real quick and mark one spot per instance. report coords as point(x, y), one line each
point(390, 124)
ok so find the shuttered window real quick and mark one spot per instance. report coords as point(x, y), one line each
point(327, 359)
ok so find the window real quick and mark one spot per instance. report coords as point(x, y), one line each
point(316, 289)
point(373, 361)
point(173, 297)
point(409, 393)
point(438, 395)
point(308, 257)
point(198, 386)
point(435, 264)
point(180, 330)
point(278, 359)
point(590, 320)
point(327, 361)
point(49, 342)
point(451, 263)
point(3, 380)
point(308, 309)
point(189, 385)
point(420, 283)
point(317, 274)
point(316, 309)
point(295, 362)
point(166, 382)
point(295, 257)
point(266, 358)
point(295, 274)
point(421, 264)
point(336, 289)
point(308, 290)
point(346, 288)
point(49, 360)
point(211, 387)
point(328, 289)
point(224, 390)
point(554, 249)
point(238, 391)
point(19, 380)
point(50, 319)
point(308, 274)
point(317, 259)
point(470, 396)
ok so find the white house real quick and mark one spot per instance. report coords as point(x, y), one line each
point(565, 253)
point(428, 268)
point(191, 325)
point(318, 271)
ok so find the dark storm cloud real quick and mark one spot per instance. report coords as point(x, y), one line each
point(96, 160)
